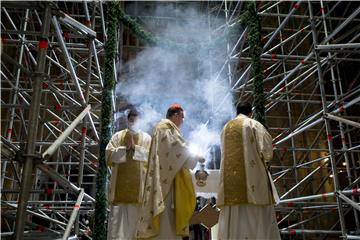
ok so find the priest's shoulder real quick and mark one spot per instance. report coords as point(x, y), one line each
point(233, 122)
point(118, 133)
point(256, 124)
point(163, 125)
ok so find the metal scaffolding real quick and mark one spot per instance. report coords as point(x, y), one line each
point(310, 57)
point(51, 83)
point(311, 67)
point(51, 80)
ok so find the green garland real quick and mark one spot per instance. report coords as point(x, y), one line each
point(251, 19)
point(135, 27)
point(152, 40)
point(100, 226)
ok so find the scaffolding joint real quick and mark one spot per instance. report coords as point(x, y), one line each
point(36, 157)
point(19, 157)
point(43, 76)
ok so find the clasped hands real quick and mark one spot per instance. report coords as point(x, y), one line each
point(129, 142)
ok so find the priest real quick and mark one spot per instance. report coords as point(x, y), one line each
point(246, 194)
point(169, 196)
point(126, 155)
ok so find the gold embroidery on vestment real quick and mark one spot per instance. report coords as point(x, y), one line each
point(234, 165)
point(128, 179)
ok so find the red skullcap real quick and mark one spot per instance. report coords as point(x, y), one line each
point(175, 106)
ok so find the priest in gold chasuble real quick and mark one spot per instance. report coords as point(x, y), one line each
point(126, 155)
point(246, 194)
point(169, 196)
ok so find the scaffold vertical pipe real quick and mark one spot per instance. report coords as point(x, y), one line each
point(29, 165)
point(327, 124)
point(341, 125)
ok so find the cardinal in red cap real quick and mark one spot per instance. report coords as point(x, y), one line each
point(169, 196)
point(175, 114)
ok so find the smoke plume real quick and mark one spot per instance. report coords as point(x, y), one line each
point(160, 76)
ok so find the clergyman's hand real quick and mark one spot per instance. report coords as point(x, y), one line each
point(129, 142)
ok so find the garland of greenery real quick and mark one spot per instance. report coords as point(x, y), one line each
point(135, 27)
point(251, 19)
point(152, 40)
point(100, 226)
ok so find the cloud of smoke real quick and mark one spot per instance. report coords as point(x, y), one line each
point(158, 77)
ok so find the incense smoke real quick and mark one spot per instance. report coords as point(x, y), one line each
point(158, 77)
